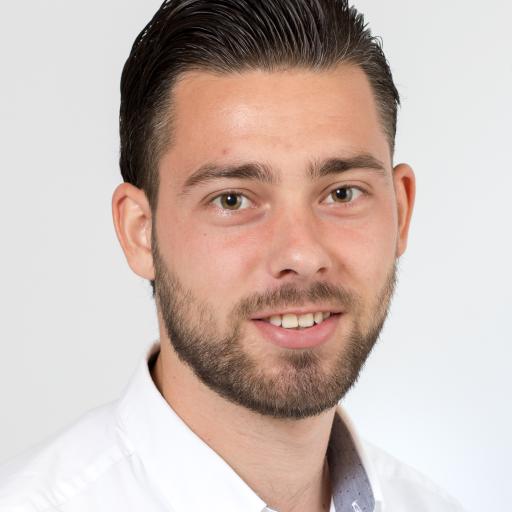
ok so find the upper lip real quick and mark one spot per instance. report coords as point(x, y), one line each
point(295, 311)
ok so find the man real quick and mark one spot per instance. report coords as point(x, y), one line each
point(261, 201)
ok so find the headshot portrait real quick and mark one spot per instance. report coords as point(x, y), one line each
point(257, 256)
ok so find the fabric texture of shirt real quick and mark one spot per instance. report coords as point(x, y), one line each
point(136, 454)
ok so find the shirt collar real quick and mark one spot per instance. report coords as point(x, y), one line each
point(191, 476)
point(354, 481)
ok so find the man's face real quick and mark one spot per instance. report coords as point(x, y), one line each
point(311, 236)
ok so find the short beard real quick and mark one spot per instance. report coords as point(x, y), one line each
point(301, 387)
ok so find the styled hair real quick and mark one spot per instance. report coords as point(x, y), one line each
point(227, 36)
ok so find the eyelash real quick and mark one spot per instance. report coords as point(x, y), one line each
point(235, 193)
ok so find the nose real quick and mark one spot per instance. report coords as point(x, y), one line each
point(298, 248)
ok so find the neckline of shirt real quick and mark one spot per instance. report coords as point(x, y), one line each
point(169, 451)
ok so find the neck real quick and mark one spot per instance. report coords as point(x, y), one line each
point(282, 460)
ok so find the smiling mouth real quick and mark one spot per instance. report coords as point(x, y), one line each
point(292, 331)
point(298, 322)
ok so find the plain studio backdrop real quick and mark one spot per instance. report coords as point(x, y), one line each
point(75, 320)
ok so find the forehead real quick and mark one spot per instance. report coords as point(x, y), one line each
point(280, 117)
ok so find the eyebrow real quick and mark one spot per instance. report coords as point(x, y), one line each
point(339, 165)
point(255, 171)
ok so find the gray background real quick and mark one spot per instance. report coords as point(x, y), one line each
point(75, 320)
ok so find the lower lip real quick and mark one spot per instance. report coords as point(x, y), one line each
point(299, 338)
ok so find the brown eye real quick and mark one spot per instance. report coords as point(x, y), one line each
point(344, 194)
point(230, 201)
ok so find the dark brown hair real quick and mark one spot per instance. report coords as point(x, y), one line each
point(231, 36)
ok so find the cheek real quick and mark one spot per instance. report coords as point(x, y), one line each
point(367, 249)
point(214, 264)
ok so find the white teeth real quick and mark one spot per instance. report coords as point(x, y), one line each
point(306, 320)
point(291, 321)
point(276, 320)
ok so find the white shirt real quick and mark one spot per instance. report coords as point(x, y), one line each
point(136, 454)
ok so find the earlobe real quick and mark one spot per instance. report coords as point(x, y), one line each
point(132, 221)
point(405, 190)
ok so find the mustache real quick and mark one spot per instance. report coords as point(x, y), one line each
point(289, 295)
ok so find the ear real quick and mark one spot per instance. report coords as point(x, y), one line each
point(132, 221)
point(405, 191)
